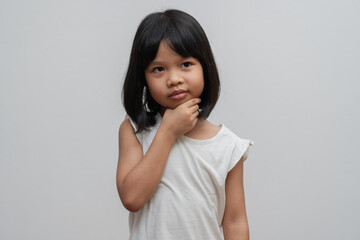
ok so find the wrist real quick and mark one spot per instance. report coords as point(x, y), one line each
point(167, 132)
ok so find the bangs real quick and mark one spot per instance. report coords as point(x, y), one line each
point(175, 32)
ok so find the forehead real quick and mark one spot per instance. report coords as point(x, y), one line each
point(165, 53)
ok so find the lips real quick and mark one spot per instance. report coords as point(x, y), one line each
point(178, 94)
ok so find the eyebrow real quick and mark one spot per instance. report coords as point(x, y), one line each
point(154, 63)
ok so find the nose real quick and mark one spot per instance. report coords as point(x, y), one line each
point(174, 78)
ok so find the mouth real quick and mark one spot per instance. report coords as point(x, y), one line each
point(178, 94)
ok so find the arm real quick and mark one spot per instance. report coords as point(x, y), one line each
point(235, 224)
point(138, 176)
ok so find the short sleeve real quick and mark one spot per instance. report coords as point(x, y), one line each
point(240, 150)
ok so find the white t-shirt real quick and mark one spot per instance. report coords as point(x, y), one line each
point(189, 202)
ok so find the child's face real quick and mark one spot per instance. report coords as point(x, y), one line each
point(173, 79)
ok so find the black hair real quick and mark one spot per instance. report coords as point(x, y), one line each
point(187, 38)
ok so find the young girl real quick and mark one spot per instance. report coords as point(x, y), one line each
point(180, 176)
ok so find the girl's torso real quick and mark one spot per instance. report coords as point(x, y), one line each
point(189, 201)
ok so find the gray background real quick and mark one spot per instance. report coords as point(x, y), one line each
point(290, 82)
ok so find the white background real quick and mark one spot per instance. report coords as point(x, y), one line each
point(290, 82)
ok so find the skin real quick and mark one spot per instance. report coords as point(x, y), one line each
point(138, 175)
point(170, 72)
point(235, 224)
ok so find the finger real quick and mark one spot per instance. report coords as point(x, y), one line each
point(194, 108)
point(195, 121)
point(192, 102)
point(196, 114)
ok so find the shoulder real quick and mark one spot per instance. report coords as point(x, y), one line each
point(240, 146)
point(126, 126)
point(127, 136)
point(235, 137)
point(128, 123)
point(127, 130)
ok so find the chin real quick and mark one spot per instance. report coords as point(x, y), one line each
point(176, 103)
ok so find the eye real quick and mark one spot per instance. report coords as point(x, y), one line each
point(186, 64)
point(158, 69)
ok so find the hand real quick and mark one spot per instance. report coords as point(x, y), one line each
point(183, 118)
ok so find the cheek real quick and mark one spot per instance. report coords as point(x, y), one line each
point(199, 84)
point(155, 91)
point(200, 87)
point(150, 85)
